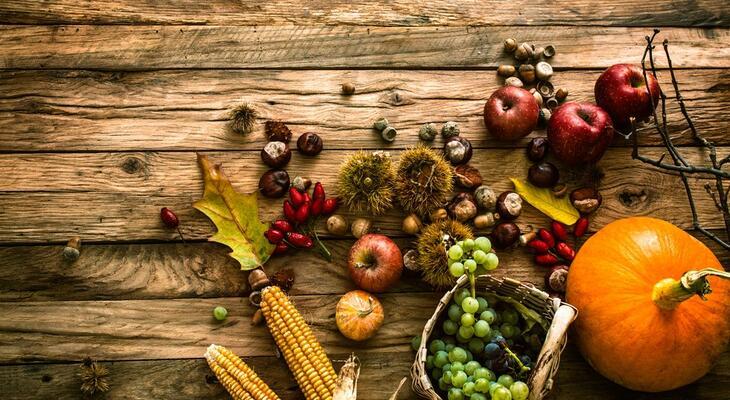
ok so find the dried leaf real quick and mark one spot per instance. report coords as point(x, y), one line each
point(236, 217)
point(544, 200)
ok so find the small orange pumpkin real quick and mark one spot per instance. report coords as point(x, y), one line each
point(639, 322)
point(359, 315)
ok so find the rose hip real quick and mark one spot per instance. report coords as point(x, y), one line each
point(169, 218)
point(289, 212)
point(274, 236)
point(559, 230)
point(580, 227)
point(318, 191)
point(281, 248)
point(302, 213)
point(330, 205)
point(296, 197)
point(565, 251)
point(546, 259)
point(299, 240)
point(546, 237)
point(539, 246)
point(282, 226)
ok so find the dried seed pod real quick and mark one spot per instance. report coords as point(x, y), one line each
point(457, 150)
point(242, 118)
point(506, 70)
point(467, 176)
point(537, 96)
point(412, 224)
point(543, 71)
point(586, 200)
point(549, 51)
point(277, 131)
point(427, 132)
point(360, 227)
point(545, 88)
point(551, 103)
point(450, 129)
point(276, 154)
point(523, 52)
point(309, 144)
point(509, 205)
point(72, 251)
point(486, 220)
point(439, 214)
point(510, 45)
point(388, 134)
point(527, 73)
point(337, 225)
point(561, 94)
point(485, 198)
point(257, 279)
point(348, 89)
point(410, 259)
point(513, 81)
point(301, 183)
point(380, 124)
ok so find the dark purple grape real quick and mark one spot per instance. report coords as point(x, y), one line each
point(525, 359)
point(492, 351)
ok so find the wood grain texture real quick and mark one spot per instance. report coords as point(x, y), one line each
point(202, 270)
point(117, 196)
point(124, 48)
point(141, 380)
point(188, 110)
point(372, 12)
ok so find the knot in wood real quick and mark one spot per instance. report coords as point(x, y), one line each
point(633, 197)
point(132, 165)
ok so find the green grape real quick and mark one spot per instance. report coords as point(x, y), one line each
point(429, 362)
point(492, 376)
point(492, 262)
point(455, 312)
point(481, 328)
point(440, 359)
point(436, 346)
point(456, 366)
point(467, 319)
point(220, 313)
point(459, 379)
point(443, 385)
point(519, 390)
point(450, 327)
point(501, 393)
point(509, 316)
point(448, 339)
point(460, 243)
point(505, 380)
point(471, 367)
point(468, 244)
point(483, 243)
point(462, 340)
point(481, 385)
point(483, 305)
point(476, 345)
point(416, 342)
point(456, 252)
point(465, 332)
point(480, 270)
point(509, 331)
point(447, 376)
point(460, 295)
point(469, 356)
point(457, 354)
point(455, 394)
point(470, 305)
point(468, 388)
point(449, 347)
point(446, 367)
point(488, 315)
point(478, 396)
point(479, 256)
point(494, 386)
point(481, 373)
point(436, 373)
point(456, 269)
point(494, 333)
point(470, 265)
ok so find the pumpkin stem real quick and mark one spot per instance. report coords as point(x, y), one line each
point(669, 293)
point(365, 313)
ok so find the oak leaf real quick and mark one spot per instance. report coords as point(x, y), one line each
point(557, 208)
point(235, 215)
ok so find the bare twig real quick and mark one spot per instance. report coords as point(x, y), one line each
point(679, 164)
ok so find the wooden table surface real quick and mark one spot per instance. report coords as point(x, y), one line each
point(104, 104)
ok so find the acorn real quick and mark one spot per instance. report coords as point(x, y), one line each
point(380, 124)
point(427, 132)
point(543, 71)
point(545, 88)
point(257, 279)
point(537, 96)
point(486, 220)
point(527, 73)
point(412, 224)
point(506, 70)
point(510, 45)
point(72, 251)
point(337, 225)
point(439, 214)
point(513, 81)
point(551, 103)
point(360, 227)
point(561, 94)
point(388, 134)
point(348, 89)
point(537, 53)
point(549, 51)
point(523, 52)
point(544, 115)
point(450, 129)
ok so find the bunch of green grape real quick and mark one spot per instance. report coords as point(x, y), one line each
point(484, 350)
point(472, 256)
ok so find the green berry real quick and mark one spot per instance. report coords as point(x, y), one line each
point(220, 313)
point(456, 269)
point(468, 244)
point(483, 243)
point(470, 265)
point(456, 252)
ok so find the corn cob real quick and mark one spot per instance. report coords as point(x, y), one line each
point(238, 378)
point(305, 356)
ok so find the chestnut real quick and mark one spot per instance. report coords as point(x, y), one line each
point(509, 205)
point(277, 131)
point(463, 207)
point(586, 200)
point(467, 176)
point(556, 279)
point(309, 144)
point(274, 183)
point(537, 149)
point(457, 150)
point(543, 175)
point(275, 154)
point(505, 234)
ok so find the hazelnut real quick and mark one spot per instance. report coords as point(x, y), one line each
point(72, 251)
point(337, 225)
point(523, 52)
point(450, 129)
point(301, 183)
point(348, 89)
point(485, 198)
point(543, 175)
point(505, 234)
point(427, 132)
point(510, 45)
point(586, 200)
point(360, 227)
point(506, 70)
point(458, 150)
point(467, 176)
point(439, 215)
point(560, 190)
point(412, 224)
point(509, 205)
point(537, 149)
point(309, 144)
point(276, 154)
point(277, 131)
point(486, 220)
point(274, 183)
point(410, 259)
point(556, 278)
point(527, 73)
point(513, 81)
point(543, 71)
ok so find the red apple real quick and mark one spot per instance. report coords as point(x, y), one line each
point(375, 263)
point(510, 113)
point(579, 132)
point(622, 91)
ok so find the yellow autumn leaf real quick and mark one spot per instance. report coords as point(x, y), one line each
point(544, 200)
point(236, 215)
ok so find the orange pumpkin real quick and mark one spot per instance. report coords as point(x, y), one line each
point(359, 315)
point(638, 325)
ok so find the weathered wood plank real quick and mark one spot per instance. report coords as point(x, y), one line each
point(142, 380)
point(88, 110)
point(117, 196)
point(112, 47)
point(382, 13)
point(200, 270)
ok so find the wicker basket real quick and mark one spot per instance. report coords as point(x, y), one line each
point(559, 314)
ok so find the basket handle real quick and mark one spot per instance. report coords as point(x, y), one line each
point(549, 358)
